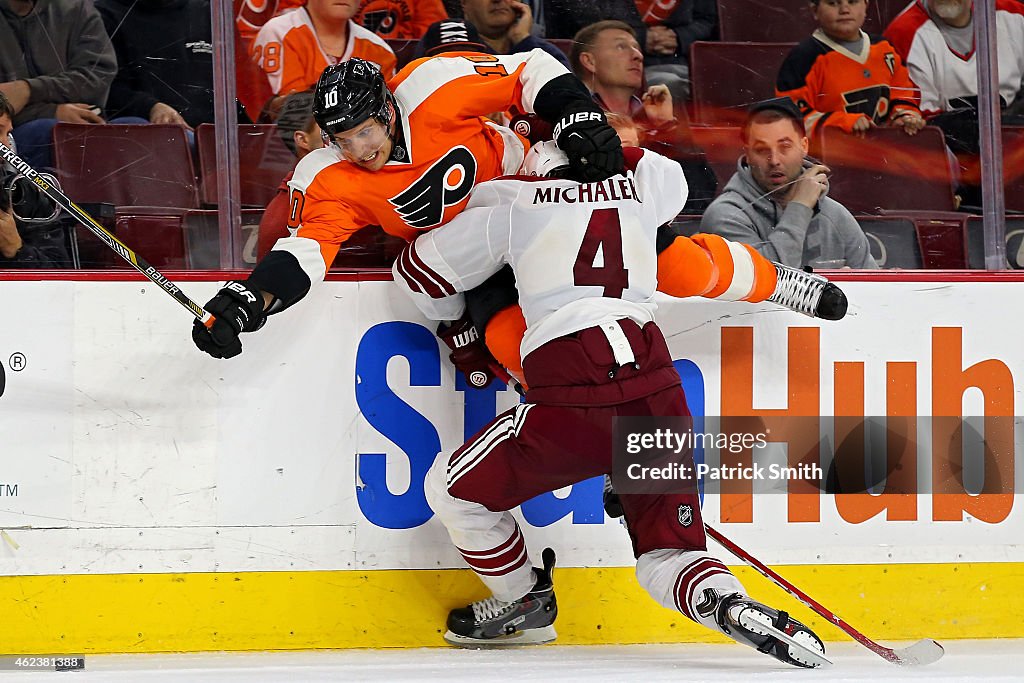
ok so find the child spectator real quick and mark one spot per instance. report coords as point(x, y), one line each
point(843, 77)
point(390, 19)
point(294, 48)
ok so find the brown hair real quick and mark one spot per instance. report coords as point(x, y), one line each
point(771, 116)
point(584, 40)
point(5, 107)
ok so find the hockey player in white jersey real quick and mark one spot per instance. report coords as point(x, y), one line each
point(586, 262)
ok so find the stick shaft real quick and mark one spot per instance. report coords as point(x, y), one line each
point(133, 259)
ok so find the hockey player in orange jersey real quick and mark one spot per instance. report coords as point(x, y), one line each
point(405, 156)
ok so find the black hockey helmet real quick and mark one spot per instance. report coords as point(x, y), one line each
point(348, 93)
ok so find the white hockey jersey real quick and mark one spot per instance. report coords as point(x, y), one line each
point(583, 254)
point(944, 75)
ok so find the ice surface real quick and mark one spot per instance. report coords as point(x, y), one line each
point(965, 660)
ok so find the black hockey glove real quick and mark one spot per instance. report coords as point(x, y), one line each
point(469, 353)
point(593, 147)
point(237, 308)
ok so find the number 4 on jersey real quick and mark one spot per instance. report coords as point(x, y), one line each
point(604, 237)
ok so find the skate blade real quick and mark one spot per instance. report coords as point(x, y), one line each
point(533, 636)
point(805, 655)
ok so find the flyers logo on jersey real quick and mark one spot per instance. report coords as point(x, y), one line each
point(446, 183)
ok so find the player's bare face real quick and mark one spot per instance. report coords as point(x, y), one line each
point(617, 59)
point(336, 10)
point(367, 145)
point(775, 154)
point(841, 19)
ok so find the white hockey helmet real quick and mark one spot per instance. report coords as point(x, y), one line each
point(544, 159)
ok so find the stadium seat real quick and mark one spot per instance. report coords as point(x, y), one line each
point(941, 237)
point(263, 161)
point(888, 170)
point(722, 146)
point(727, 77)
point(146, 165)
point(789, 20)
point(202, 240)
point(893, 241)
point(1014, 242)
point(1013, 167)
point(403, 49)
point(781, 21)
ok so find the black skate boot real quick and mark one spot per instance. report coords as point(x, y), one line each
point(492, 622)
point(770, 631)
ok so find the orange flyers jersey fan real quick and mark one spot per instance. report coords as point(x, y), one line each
point(834, 86)
point(408, 19)
point(445, 147)
point(288, 51)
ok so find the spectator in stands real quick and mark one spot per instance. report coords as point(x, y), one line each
point(300, 134)
point(451, 35)
point(294, 48)
point(842, 77)
point(606, 56)
point(36, 243)
point(669, 28)
point(165, 60)
point(776, 201)
point(505, 25)
point(935, 38)
point(58, 65)
point(389, 19)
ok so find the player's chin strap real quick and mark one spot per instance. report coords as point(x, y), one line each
point(808, 293)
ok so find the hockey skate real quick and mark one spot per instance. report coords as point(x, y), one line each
point(492, 622)
point(767, 630)
point(808, 293)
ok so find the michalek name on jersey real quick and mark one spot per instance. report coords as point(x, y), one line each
point(614, 189)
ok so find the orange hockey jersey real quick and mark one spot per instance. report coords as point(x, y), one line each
point(288, 51)
point(834, 86)
point(447, 147)
point(406, 19)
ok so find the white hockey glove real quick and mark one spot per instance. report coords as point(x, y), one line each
point(808, 293)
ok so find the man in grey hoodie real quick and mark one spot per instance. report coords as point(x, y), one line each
point(776, 201)
point(56, 64)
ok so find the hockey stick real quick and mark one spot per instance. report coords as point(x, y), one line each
point(136, 261)
point(922, 652)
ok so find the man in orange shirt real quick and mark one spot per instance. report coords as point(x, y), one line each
point(405, 155)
